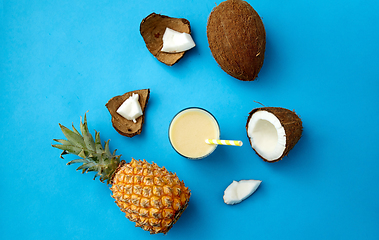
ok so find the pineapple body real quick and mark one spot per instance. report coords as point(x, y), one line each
point(150, 196)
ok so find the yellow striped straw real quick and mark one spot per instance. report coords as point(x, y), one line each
point(224, 142)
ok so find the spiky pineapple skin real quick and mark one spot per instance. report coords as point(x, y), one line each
point(150, 196)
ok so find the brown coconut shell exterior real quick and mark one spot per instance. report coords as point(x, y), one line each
point(122, 125)
point(291, 122)
point(237, 39)
point(152, 29)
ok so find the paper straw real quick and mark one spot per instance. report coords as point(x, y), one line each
point(224, 142)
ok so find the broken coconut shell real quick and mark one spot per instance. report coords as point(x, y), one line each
point(291, 130)
point(122, 125)
point(237, 39)
point(152, 29)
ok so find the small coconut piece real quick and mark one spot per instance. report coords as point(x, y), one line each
point(122, 125)
point(273, 132)
point(236, 192)
point(152, 29)
point(174, 41)
point(237, 39)
point(130, 108)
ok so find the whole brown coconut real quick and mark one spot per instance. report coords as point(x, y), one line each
point(237, 39)
point(273, 132)
point(122, 125)
point(152, 29)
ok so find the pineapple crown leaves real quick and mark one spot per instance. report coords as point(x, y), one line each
point(93, 156)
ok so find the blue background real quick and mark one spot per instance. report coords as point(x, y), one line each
point(60, 59)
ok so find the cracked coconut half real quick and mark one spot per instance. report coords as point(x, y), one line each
point(273, 132)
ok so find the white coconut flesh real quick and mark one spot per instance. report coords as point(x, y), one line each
point(267, 135)
point(236, 192)
point(131, 108)
point(174, 42)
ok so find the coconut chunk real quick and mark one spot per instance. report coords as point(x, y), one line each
point(122, 125)
point(174, 41)
point(131, 109)
point(236, 192)
point(152, 29)
point(273, 132)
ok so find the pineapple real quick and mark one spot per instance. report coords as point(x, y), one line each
point(150, 196)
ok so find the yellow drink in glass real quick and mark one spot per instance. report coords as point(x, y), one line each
point(188, 131)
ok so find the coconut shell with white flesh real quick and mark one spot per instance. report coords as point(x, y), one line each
point(122, 125)
point(273, 132)
point(152, 29)
point(237, 39)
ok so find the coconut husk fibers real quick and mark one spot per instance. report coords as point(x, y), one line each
point(237, 39)
point(122, 125)
point(290, 121)
point(152, 29)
